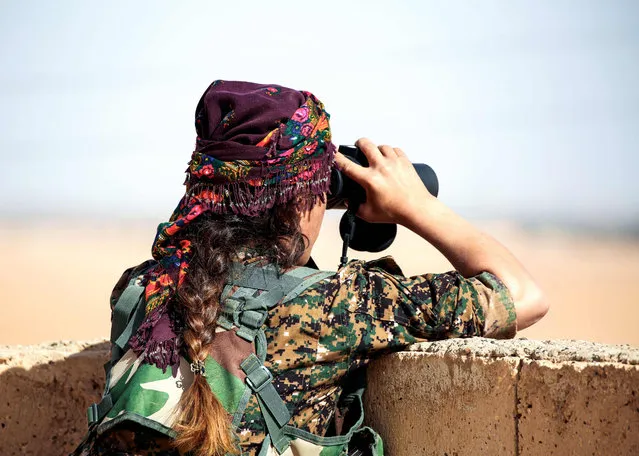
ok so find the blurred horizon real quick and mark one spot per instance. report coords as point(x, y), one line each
point(528, 111)
point(532, 226)
point(61, 275)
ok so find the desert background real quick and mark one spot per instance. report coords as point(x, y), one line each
point(527, 111)
point(58, 275)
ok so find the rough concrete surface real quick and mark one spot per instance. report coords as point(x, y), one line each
point(578, 409)
point(44, 393)
point(425, 404)
point(447, 398)
point(551, 350)
point(544, 398)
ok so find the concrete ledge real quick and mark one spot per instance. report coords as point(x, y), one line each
point(456, 397)
point(578, 409)
point(518, 397)
point(426, 404)
point(44, 393)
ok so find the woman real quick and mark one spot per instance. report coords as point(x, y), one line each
point(255, 199)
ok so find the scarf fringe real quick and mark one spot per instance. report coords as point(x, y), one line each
point(161, 353)
point(253, 197)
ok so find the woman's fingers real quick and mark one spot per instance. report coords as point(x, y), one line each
point(370, 150)
point(350, 168)
point(387, 151)
point(399, 152)
point(374, 153)
point(393, 187)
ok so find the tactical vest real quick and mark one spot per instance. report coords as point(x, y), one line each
point(144, 394)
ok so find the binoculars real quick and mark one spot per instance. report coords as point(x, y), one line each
point(345, 193)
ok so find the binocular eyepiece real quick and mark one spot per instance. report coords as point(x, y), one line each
point(346, 193)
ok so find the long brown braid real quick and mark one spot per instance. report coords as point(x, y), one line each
point(203, 424)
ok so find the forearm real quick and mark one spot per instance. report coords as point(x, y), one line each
point(471, 252)
point(396, 194)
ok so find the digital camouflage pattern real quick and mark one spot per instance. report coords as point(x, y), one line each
point(314, 343)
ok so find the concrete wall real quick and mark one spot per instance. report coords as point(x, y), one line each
point(44, 393)
point(458, 397)
point(480, 396)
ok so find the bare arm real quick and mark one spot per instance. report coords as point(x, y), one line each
point(395, 194)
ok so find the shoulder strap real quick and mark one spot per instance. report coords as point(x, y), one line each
point(127, 313)
point(248, 313)
point(309, 277)
point(126, 316)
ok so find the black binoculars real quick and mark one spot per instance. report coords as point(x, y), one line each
point(345, 193)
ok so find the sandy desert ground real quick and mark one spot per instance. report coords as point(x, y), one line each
point(57, 276)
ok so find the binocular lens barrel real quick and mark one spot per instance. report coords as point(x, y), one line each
point(344, 189)
point(359, 234)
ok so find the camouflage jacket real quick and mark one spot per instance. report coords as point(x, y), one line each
point(335, 327)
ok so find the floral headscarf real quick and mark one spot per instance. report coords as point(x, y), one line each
point(257, 146)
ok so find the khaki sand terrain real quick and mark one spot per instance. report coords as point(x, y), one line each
point(57, 276)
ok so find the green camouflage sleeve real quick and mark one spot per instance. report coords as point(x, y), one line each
point(388, 311)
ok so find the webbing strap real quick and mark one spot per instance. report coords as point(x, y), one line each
point(261, 277)
point(273, 408)
point(248, 310)
point(123, 309)
point(231, 305)
point(126, 317)
point(97, 411)
point(278, 438)
point(254, 312)
point(134, 322)
point(310, 280)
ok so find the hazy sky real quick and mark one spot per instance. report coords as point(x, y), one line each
point(521, 107)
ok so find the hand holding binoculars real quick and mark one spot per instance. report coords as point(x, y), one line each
point(345, 193)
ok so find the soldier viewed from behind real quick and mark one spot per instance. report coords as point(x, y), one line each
point(225, 343)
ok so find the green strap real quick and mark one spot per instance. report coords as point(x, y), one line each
point(250, 316)
point(316, 277)
point(260, 380)
point(278, 438)
point(134, 321)
point(97, 411)
point(123, 310)
point(123, 319)
point(261, 277)
point(249, 312)
point(231, 305)
point(266, 445)
point(127, 315)
point(302, 272)
point(273, 408)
